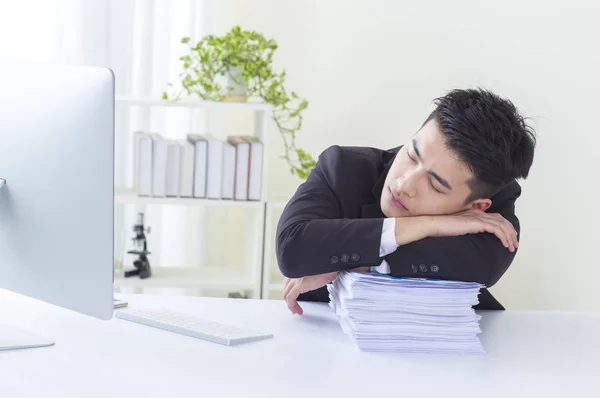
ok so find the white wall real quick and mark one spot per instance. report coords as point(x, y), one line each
point(370, 70)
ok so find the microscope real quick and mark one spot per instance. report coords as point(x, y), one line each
point(142, 265)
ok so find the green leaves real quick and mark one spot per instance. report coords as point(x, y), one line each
point(252, 53)
point(187, 61)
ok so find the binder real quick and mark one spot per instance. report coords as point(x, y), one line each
point(214, 167)
point(159, 165)
point(173, 168)
point(255, 167)
point(242, 164)
point(200, 164)
point(186, 175)
point(228, 185)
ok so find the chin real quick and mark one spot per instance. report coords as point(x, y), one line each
point(391, 211)
point(387, 213)
point(385, 209)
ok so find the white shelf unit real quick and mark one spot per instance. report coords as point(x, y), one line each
point(129, 196)
point(272, 277)
point(204, 278)
point(189, 278)
point(194, 103)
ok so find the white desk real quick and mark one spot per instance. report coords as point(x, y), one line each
point(530, 354)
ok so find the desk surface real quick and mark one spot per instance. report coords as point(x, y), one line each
point(529, 354)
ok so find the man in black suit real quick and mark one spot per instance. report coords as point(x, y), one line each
point(441, 206)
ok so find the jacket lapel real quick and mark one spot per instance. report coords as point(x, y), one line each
point(373, 210)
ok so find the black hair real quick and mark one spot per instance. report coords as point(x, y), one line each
point(489, 135)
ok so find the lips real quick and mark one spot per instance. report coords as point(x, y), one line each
point(396, 202)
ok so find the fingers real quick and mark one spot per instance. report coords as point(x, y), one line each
point(509, 231)
point(502, 235)
point(292, 297)
point(287, 286)
point(291, 291)
point(503, 229)
point(493, 223)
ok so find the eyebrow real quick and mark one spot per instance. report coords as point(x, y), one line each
point(432, 173)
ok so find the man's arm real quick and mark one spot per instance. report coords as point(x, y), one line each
point(469, 246)
point(313, 239)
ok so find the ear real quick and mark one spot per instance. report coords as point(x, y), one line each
point(480, 204)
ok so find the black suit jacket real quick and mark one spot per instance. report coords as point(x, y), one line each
point(334, 222)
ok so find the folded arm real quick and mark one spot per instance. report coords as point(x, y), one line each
point(469, 246)
point(313, 238)
point(475, 258)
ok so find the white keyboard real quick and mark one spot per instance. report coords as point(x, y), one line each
point(190, 325)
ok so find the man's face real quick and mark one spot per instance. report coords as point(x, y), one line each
point(426, 178)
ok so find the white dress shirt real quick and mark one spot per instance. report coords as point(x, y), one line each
point(388, 244)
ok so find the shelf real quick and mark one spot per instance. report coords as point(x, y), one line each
point(193, 103)
point(180, 277)
point(126, 196)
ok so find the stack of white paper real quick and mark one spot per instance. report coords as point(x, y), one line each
point(382, 313)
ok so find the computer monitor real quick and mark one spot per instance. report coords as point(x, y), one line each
point(56, 200)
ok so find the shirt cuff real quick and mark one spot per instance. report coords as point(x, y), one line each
point(383, 268)
point(388, 237)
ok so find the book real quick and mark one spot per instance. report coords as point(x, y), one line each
point(242, 165)
point(228, 185)
point(208, 166)
point(186, 175)
point(200, 164)
point(173, 166)
point(159, 165)
point(255, 167)
point(214, 167)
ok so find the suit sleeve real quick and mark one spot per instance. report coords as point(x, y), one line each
point(313, 238)
point(472, 258)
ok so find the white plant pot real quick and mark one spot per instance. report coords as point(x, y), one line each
point(233, 87)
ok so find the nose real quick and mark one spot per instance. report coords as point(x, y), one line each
point(407, 185)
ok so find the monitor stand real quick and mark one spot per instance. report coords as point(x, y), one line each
point(14, 339)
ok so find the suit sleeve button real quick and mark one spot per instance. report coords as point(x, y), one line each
point(334, 259)
point(355, 257)
point(345, 258)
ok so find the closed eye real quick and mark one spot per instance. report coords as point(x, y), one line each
point(433, 186)
point(437, 177)
point(410, 157)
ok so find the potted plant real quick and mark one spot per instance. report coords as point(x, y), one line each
point(236, 66)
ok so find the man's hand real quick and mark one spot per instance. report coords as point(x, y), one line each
point(411, 229)
point(292, 288)
point(473, 222)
